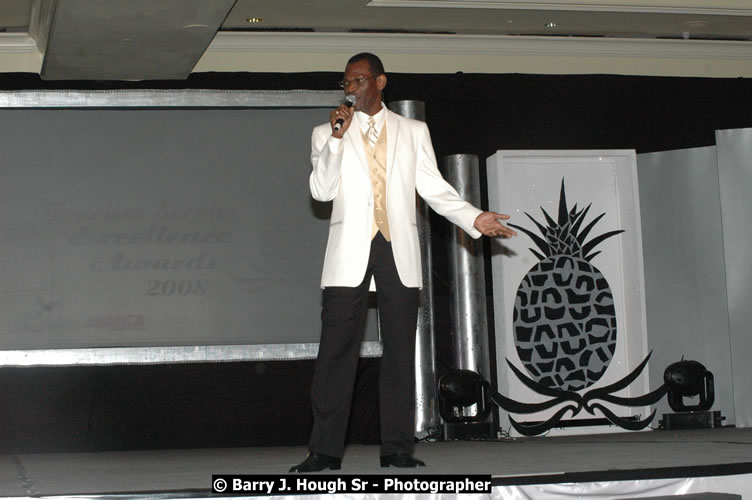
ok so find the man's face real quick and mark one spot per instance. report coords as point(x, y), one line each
point(368, 93)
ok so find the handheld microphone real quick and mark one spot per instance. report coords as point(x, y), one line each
point(349, 102)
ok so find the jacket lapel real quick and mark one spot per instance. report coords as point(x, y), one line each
point(356, 141)
point(392, 127)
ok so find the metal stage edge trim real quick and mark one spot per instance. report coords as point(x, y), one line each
point(95, 356)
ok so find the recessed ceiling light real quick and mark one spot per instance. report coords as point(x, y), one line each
point(697, 24)
point(552, 25)
point(254, 20)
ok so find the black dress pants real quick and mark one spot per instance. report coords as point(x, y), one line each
point(342, 317)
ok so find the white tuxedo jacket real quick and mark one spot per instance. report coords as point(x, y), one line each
point(340, 173)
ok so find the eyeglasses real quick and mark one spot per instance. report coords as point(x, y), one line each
point(357, 81)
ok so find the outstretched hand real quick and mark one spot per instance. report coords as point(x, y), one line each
point(488, 224)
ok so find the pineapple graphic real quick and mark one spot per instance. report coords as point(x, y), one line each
point(564, 317)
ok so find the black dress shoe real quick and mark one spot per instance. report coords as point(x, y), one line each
point(316, 462)
point(401, 460)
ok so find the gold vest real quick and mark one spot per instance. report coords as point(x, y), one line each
point(377, 168)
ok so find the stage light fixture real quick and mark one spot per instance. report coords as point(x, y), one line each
point(688, 379)
point(463, 397)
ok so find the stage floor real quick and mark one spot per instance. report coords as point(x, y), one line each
point(601, 457)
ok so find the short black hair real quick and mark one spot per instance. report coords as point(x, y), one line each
point(377, 68)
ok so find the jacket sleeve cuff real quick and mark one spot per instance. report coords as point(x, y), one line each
point(335, 145)
point(474, 233)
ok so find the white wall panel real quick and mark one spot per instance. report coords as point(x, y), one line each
point(735, 179)
point(685, 273)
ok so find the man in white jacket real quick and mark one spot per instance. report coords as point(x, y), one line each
point(370, 162)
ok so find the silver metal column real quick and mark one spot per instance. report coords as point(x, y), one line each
point(466, 271)
point(426, 406)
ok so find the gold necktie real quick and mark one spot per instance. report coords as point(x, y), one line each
point(371, 132)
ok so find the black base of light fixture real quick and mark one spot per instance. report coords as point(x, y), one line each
point(691, 420)
point(469, 430)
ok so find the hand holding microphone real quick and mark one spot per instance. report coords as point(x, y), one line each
point(339, 120)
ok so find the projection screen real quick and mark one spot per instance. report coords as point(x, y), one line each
point(153, 227)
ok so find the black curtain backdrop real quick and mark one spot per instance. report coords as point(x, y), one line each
point(266, 403)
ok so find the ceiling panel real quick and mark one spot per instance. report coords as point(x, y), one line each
point(147, 39)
